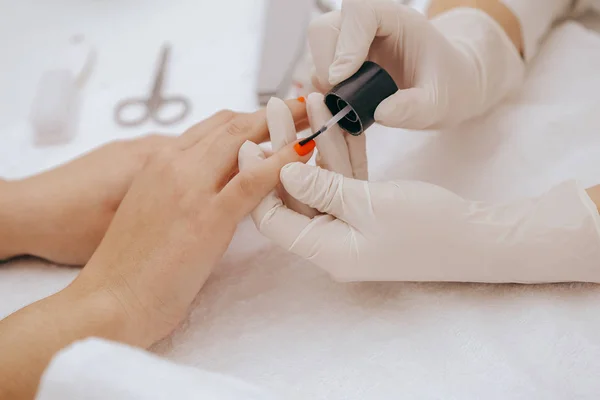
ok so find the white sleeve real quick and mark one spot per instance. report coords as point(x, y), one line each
point(96, 369)
point(537, 16)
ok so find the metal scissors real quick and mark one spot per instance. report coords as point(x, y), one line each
point(152, 106)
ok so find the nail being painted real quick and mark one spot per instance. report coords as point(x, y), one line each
point(304, 149)
point(334, 120)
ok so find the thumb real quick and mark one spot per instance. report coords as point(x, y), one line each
point(283, 132)
point(257, 178)
point(413, 108)
point(250, 154)
point(329, 192)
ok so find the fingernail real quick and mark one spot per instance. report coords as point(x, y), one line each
point(306, 149)
point(301, 99)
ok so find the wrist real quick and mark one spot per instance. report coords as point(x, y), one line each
point(12, 210)
point(497, 69)
point(129, 315)
point(103, 314)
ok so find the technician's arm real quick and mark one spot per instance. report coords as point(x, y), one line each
point(526, 22)
point(503, 15)
point(452, 66)
point(415, 231)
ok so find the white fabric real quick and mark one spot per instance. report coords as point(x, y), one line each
point(449, 69)
point(282, 324)
point(96, 369)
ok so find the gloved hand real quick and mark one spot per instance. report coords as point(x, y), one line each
point(415, 231)
point(449, 69)
point(337, 150)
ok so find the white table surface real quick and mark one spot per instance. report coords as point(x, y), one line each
point(214, 62)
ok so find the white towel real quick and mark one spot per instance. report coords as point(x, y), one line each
point(95, 369)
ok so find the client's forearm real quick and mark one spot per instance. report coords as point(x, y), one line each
point(494, 8)
point(31, 336)
point(11, 208)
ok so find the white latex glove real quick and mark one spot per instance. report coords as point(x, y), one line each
point(415, 231)
point(449, 69)
point(336, 150)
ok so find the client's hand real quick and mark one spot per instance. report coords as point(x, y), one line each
point(179, 216)
point(62, 214)
point(337, 150)
point(170, 230)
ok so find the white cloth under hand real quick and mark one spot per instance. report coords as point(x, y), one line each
point(96, 369)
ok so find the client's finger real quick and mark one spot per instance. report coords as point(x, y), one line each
point(241, 126)
point(260, 133)
point(221, 146)
point(255, 180)
point(295, 232)
point(280, 123)
point(283, 132)
point(199, 130)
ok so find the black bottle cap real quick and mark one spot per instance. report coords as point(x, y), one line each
point(363, 91)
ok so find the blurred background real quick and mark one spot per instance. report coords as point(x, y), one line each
point(66, 65)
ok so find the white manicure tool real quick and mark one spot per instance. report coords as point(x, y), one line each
point(55, 108)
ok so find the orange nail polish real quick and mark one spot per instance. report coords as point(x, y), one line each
point(306, 149)
point(301, 99)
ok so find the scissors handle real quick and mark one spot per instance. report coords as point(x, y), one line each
point(179, 108)
point(138, 107)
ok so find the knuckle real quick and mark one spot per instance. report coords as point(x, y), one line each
point(248, 184)
point(164, 158)
point(118, 145)
point(121, 150)
point(226, 115)
point(149, 144)
point(240, 125)
point(153, 138)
